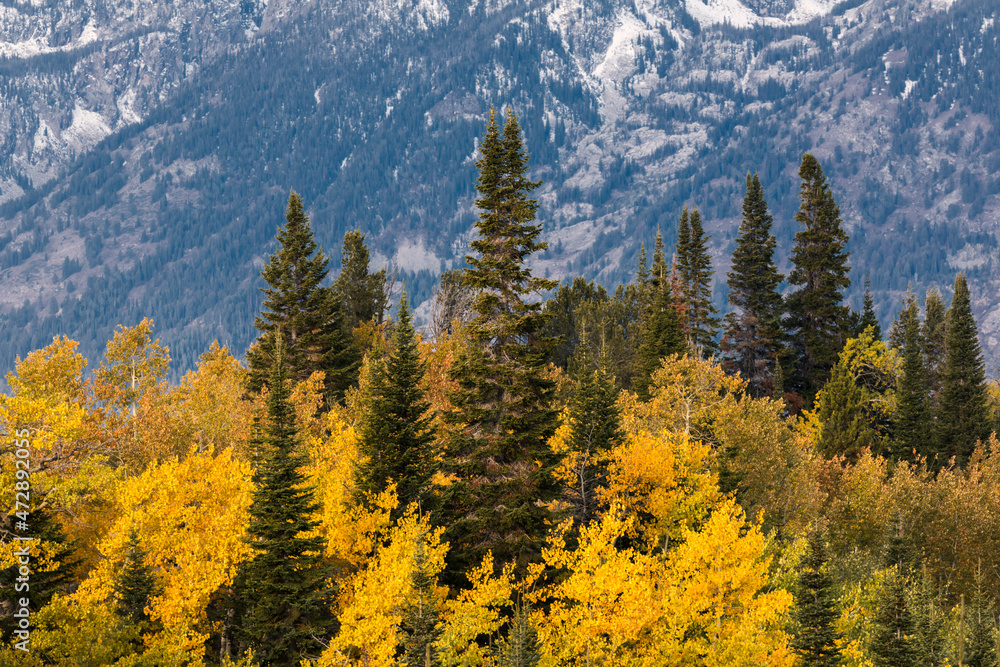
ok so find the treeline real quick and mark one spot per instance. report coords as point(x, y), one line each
point(626, 479)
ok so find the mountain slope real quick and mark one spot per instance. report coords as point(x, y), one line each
point(372, 111)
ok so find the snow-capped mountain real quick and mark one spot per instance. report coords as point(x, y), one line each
point(148, 147)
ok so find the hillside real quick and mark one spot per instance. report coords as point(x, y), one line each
point(146, 161)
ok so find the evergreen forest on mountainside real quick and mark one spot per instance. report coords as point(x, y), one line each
point(636, 476)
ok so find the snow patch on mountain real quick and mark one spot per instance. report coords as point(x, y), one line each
point(737, 14)
point(87, 128)
point(619, 63)
point(732, 12)
point(807, 10)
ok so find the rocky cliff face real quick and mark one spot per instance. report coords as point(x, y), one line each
point(146, 148)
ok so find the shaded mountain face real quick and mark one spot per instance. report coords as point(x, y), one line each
point(148, 148)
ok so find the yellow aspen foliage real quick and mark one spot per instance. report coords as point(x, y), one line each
point(50, 400)
point(133, 363)
point(684, 394)
point(51, 411)
point(67, 632)
point(369, 623)
point(715, 607)
point(860, 509)
point(769, 463)
point(667, 480)
point(475, 614)
point(608, 600)
point(351, 530)
point(206, 409)
point(191, 516)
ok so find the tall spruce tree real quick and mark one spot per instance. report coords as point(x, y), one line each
point(502, 411)
point(306, 313)
point(662, 335)
point(963, 415)
point(595, 429)
point(396, 432)
point(815, 609)
point(866, 318)
point(753, 325)
point(840, 406)
point(361, 293)
point(136, 583)
point(816, 315)
point(703, 325)
point(682, 254)
point(912, 417)
point(282, 593)
point(934, 334)
point(893, 643)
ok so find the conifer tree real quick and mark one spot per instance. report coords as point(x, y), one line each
point(753, 325)
point(361, 293)
point(893, 642)
point(928, 621)
point(867, 317)
point(595, 429)
point(934, 335)
point(981, 649)
point(815, 609)
point(396, 432)
point(682, 254)
point(136, 584)
point(660, 270)
point(963, 410)
point(816, 315)
point(520, 647)
point(703, 325)
point(841, 411)
point(284, 606)
point(303, 310)
point(662, 336)
point(912, 418)
point(420, 616)
point(55, 577)
point(502, 407)
point(642, 267)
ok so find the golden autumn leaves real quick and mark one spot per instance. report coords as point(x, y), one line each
point(174, 464)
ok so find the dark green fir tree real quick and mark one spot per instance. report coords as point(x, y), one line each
point(929, 620)
point(815, 609)
point(816, 314)
point(360, 292)
point(893, 643)
point(844, 428)
point(963, 415)
point(934, 335)
point(305, 312)
point(44, 582)
point(981, 621)
point(912, 421)
point(282, 591)
point(866, 318)
point(682, 256)
point(136, 583)
point(703, 325)
point(397, 437)
point(595, 429)
point(753, 326)
point(502, 406)
point(662, 335)
point(520, 647)
point(420, 616)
